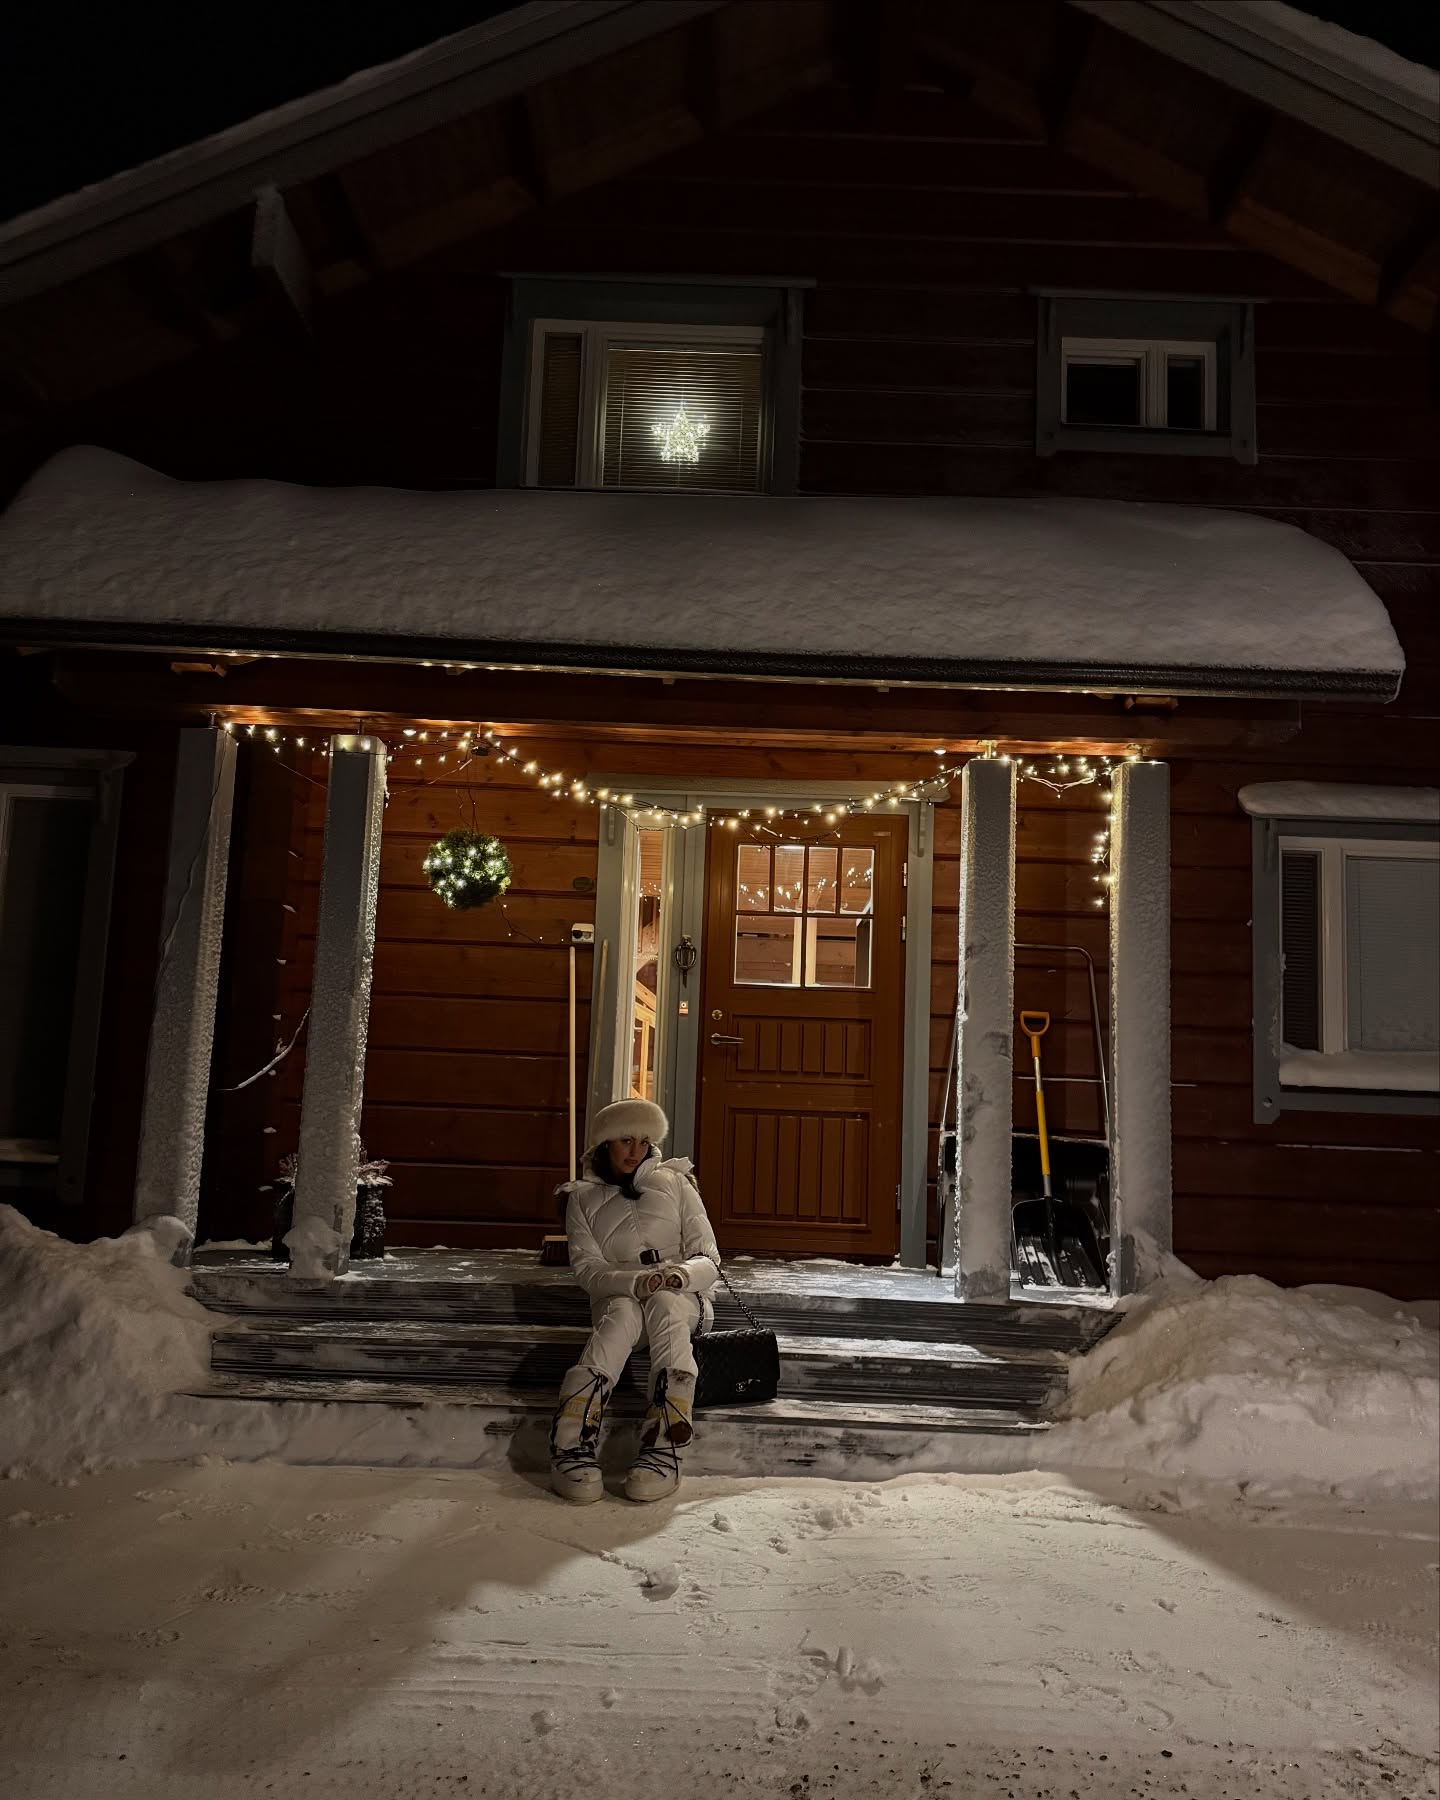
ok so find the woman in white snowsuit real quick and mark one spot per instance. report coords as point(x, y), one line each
point(642, 1248)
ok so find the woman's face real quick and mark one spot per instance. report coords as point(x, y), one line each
point(627, 1154)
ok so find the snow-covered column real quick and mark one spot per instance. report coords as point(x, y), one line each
point(329, 1148)
point(1140, 1022)
point(984, 1075)
point(182, 1029)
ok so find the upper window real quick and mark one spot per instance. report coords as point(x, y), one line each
point(674, 408)
point(1107, 381)
point(651, 386)
point(1347, 966)
point(1168, 376)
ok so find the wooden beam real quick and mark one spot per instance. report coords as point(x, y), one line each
point(1231, 171)
point(1074, 34)
point(278, 257)
point(340, 695)
point(1410, 275)
point(876, 43)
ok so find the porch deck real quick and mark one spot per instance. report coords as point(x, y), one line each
point(874, 1352)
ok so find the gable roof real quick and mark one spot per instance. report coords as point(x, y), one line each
point(319, 132)
point(1345, 87)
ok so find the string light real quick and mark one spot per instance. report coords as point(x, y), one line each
point(1059, 773)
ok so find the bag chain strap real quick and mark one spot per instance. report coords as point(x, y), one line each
point(736, 1298)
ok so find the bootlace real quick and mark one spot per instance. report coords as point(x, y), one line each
point(584, 1451)
point(577, 1456)
point(663, 1456)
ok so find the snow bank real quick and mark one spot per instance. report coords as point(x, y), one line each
point(95, 1339)
point(1282, 1390)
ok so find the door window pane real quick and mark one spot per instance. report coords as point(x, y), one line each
point(1107, 392)
point(789, 878)
point(767, 951)
point(821, 876)
point(857, 881)
point(752, 878)
point(838, 953)
point(1392, 952)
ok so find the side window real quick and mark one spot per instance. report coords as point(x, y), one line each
point(44, 853)
point(1148, 376)
point(1347, 968)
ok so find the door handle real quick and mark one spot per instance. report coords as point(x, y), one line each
point(717, 1037)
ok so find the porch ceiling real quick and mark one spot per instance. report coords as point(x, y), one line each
point(1061, 595)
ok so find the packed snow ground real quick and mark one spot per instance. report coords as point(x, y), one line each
point(239, 1630)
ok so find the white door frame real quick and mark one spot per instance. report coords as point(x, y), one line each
point(683, 914)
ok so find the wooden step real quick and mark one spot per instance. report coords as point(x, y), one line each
point(792, 1435)
point(449, 1353)
point(506, 1289)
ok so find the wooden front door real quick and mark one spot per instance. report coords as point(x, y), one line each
point(801, 1040)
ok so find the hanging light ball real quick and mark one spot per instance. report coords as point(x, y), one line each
point(467, 869)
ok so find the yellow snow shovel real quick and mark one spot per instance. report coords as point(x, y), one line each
point(1035, 1025)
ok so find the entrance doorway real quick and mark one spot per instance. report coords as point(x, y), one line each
point(769, 987)
point(803, 1004)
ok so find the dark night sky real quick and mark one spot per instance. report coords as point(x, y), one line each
point(89, 89)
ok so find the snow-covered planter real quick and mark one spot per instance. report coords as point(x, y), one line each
point(368, 1237)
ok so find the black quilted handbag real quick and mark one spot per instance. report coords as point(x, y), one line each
point(736, 1367)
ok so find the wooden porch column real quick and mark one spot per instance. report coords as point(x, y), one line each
point(182, 1030)
point(984, 1074)
point(339, 1011)
point(1140, 1022)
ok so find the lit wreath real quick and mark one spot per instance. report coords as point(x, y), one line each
point(467, 868)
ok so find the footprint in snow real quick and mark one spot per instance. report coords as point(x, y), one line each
point(609, 1698)
point(659, 1583)
point(544, 1721)
point(721, 1523)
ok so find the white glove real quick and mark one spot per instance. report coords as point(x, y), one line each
point(648, 1282)
point(677, 1276)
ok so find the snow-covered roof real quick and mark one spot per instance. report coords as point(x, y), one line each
point(1353, 802)
point(1071, 594)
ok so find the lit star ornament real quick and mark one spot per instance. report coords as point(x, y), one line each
point(682, 439)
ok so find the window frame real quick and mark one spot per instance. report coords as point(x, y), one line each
point(597, 337)
point(1153, 326)
point(96, 776)
point(1153, 355)
point(642, 304)
point(1333, 840)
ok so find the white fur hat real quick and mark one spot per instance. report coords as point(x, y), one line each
point(629, 1118)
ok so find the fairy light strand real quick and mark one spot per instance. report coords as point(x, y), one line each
point(448, 750)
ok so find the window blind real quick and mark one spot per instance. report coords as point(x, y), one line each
point(683, 416)
point(560, 409)
point(1300, 949)
point(1392, 952)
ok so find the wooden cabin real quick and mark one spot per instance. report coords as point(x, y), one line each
point(774, 466)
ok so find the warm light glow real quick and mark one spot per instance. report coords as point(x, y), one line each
point(682, 439)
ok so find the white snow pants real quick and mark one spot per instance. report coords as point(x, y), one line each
point(665, 1320)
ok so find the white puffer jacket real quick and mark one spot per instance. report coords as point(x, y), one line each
point(607, 1232)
